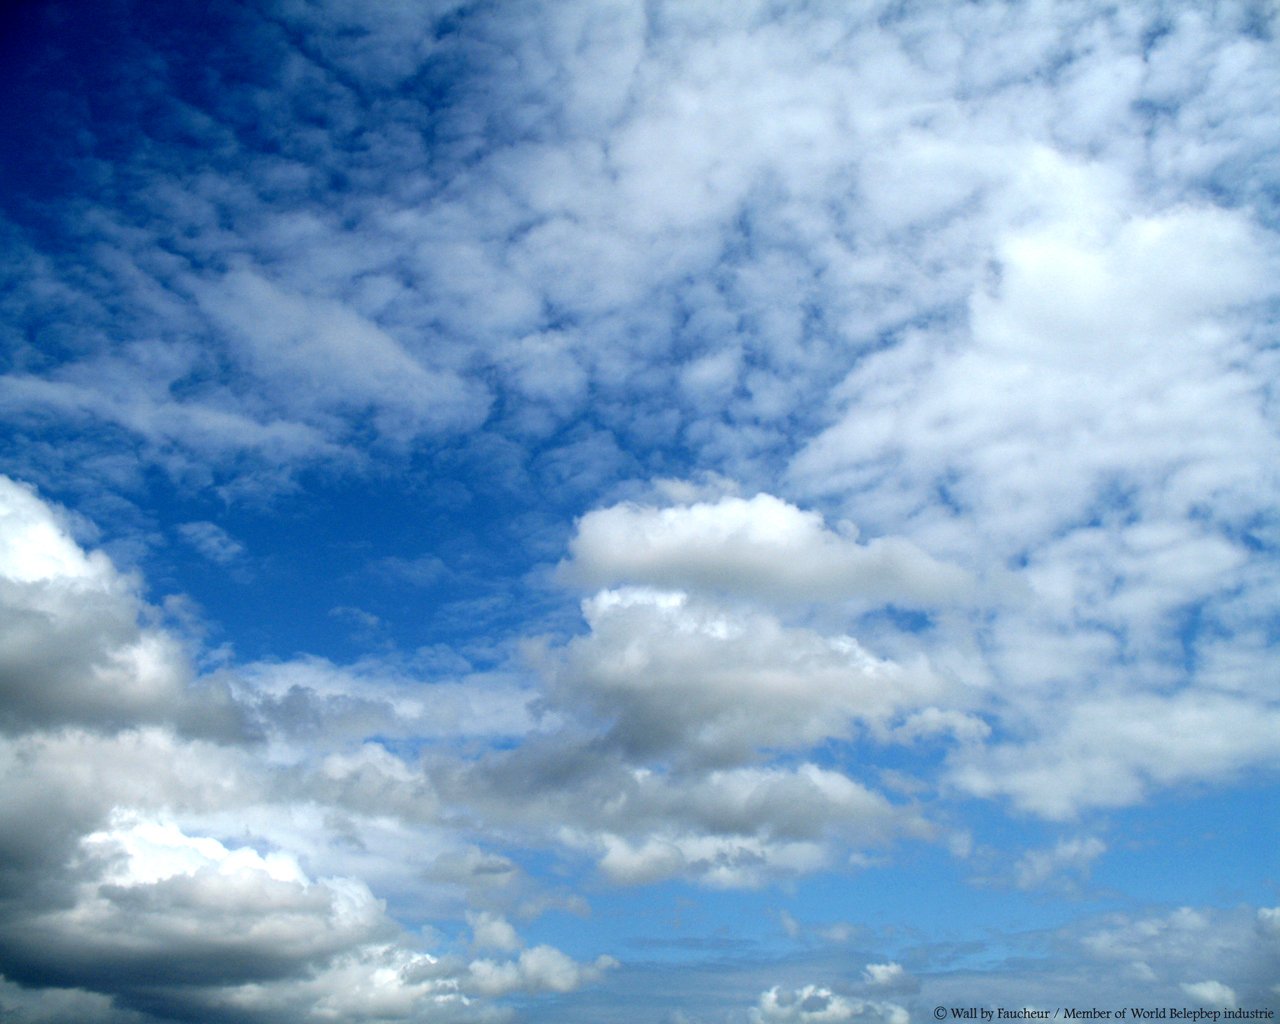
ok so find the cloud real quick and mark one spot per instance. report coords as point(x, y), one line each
point(307, 695)
point(1211, 993)
point(539, 969)
point(1036, 867)
point(1144, 382)
point(995, 283)
point(213, 914)
point(1084, 344)
point(1111, 751)
point(492, 931)
point(316, 354)
point(761, 547)
point(687, 678)
point(1234, 946)
point(237, 880)
point(891, 976)
point(73, 650)
point(212, 541)
point(629, 204)
point(726, 828)
point(812, 1003)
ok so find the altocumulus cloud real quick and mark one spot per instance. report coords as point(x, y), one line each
point(772, 447)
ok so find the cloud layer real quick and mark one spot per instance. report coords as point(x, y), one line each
point(482, 482)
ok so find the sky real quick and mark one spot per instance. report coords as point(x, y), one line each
point(663, 511)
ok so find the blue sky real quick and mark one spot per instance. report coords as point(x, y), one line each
point(682, 512)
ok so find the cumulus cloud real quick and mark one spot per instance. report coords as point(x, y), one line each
point(760, 547)
point(1144, 383)
point(539, 969)
point(493, 931)
point(694, 680)
point(1211, 993)
point(73, 648)
point(813, 1003)
point(725, 827)
point(890, 976)
point(213, 914)
point(236, 881)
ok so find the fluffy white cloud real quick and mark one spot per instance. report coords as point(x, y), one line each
point(1103, 337)
point(158, 892)
point(1211, 993)
point(72, 647)
point(184, 855)
point(741, 828)
point(813, 1004)
point(890, 975)
point(493, 931)
point(1110, 751)
point(172, 922)
point(726, 827)
point(692, 680)
point(1098, 425)
point(761, 547)
point(539, 969)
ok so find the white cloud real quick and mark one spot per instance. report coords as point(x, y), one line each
point(1103, 339)
point(539, 969)
point(165, 919)
point(760, 547)
point(697, 681)
point(36, 547)
point(374, 983)
point(1036, 867)
point(72, 648)
point(165, 854)
point(994, 281)
point(813, 1004)
point(1115, 335)
point(1111, 751)
point(810, 1003)
point(153, 851)
point(890, 975)
point(493, 931)
point(212, 541)
point(191, 439)
point(1233, 947)
point(317, 354)
point(164, 892)
point(1211, 993)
